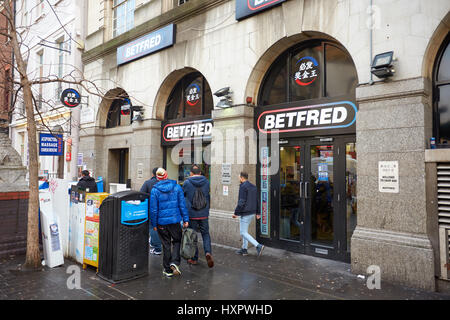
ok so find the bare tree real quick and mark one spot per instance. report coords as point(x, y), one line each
point(22, 90)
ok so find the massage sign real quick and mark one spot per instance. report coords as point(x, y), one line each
point(308, 71)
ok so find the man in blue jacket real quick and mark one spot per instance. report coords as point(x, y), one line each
point(247, 207)
point(198, 217)
point(167, 210)
point(155, 243)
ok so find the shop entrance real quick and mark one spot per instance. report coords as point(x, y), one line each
point(314, 196)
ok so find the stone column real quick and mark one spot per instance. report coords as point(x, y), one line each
point(13, 198)
point(394, 124)
point(229, 141)
point(147, 152)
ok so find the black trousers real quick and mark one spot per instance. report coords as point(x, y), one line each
point(170, 236)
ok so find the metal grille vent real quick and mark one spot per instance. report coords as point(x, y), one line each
point(443, 187)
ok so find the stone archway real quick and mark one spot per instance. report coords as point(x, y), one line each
point(435, 43)
point(164, 91)
point(262, 66)
point(104, 106)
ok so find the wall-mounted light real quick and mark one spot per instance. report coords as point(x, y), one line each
point(225, 95)
point(138, 113)
point(382, 65)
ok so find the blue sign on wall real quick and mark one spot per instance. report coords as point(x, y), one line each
point(150, 43)
point(246, 8)
point(50, 144)
point(134, 210)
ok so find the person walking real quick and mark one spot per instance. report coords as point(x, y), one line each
point(196, 192)
point(155, 242)
point(87, 183)
point(247, 207)
point(167, 210)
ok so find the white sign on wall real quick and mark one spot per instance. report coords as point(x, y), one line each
point(388, 179)
point(226, 173)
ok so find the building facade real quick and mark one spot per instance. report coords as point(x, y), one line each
point(52, 44)
point(284, 91)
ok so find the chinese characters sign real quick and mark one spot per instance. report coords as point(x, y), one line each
point(308, 71)
point(388, 176)
point(193, 94)
point(70, 98)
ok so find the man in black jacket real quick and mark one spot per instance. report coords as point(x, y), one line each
point(247, 207)
point(198, 217)
point(155, 242)
point(87, 183)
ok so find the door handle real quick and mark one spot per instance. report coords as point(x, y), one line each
point(306, 190)
point(301, 190)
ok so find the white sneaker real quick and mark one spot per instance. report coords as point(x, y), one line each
point(175, 269)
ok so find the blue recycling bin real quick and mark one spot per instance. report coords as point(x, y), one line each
point(123, 236)
point(100, 184)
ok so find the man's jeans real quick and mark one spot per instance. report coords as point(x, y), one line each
point(246, 237)
point(202, 226)
point(155, 242)
point(170, 236)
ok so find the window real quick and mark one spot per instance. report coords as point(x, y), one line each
point(441, 103)
point(60, 65)
point(123, 16)
point(118, 117)
point(40, 56)
point(39, 8)
point(190, 97)
point(312, 70)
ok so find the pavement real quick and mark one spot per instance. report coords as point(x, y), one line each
point(276, 275)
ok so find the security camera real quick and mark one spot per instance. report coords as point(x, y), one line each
point(222, 92)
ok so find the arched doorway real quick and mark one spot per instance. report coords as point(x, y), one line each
point(441, 94)
point(307, 97)
point(187, 127)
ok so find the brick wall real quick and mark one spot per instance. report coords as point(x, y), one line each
point(13, 223)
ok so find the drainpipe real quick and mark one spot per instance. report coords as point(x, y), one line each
point(371, 40)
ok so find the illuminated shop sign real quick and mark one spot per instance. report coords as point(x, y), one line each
point(308, 71)
point(193, 94)
point(150, 43)
point(245, 8)
point(328, 116)
point(175, 132)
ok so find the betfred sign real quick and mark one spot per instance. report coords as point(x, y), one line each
point(175, 132)
point(150, 43)
point(336, 116)
point(246, 8)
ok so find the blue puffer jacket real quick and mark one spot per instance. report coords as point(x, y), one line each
point(167, 204)
point(189, 187)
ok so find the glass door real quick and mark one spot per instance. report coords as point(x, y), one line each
point(319, 197)
point(291, 206)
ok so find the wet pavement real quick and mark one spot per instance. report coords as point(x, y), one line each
point(276, 275)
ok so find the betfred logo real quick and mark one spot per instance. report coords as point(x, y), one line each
point(259, 4)
point(308, 118)
point(247, 8)
point(190, 130)
point(308, 71)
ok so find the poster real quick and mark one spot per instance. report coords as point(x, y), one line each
point(388, 176)
point(265, 191)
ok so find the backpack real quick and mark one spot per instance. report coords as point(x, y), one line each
point(188, 243)
point(199, 200)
